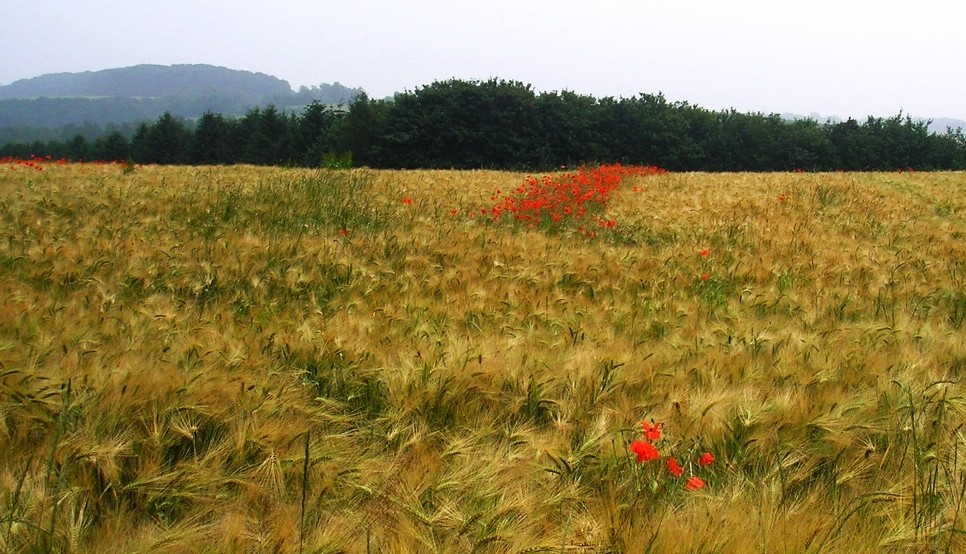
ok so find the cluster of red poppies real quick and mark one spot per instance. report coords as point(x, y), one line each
point(577, 197)
point(38, 162)
point(35, 162)
point(645, 449)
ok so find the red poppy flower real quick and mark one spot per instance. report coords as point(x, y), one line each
point(645, 451)
point(651, 432)
point(706, 459)
point(694, 483)
point(343, 232)
point(705, 276)
point(407, 201)
point(675, 468)
point(704, 252)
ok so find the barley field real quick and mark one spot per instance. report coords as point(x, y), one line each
point(241, 359)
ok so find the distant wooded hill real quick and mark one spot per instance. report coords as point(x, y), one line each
point(40, 108)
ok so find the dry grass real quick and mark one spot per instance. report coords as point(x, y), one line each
point(173, 341)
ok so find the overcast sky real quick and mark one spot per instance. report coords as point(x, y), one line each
point(833, 57)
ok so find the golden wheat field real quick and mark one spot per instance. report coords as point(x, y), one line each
point(242, 359)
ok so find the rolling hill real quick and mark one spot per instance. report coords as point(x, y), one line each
point(151, 81)
point(38, 107)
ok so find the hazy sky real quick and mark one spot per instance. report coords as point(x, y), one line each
point(834, 57)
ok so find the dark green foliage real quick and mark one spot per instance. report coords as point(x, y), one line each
point(213, 141)
point(78, 148)
point(566, 135)
point(265, 136)
point(460, 124)
point(165, 142)
point(312, 136)
point(505, 125)
point(112, 147)
point(357, 132)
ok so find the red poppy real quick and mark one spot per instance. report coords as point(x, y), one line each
point(651, 432)
point(407, 201)
point(706, 459)
point(694, 483)
point(675, 468)
point(343, 232)
point(704, 252)
point(645, 451)
point(705, 276)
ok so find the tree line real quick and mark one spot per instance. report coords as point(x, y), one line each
point(499, 124)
